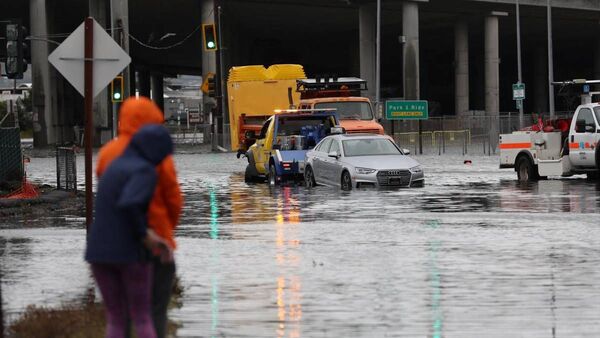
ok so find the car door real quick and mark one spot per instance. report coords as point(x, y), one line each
point(263, 147)
point(332, 165)
point(583, 137)
point(319, 159)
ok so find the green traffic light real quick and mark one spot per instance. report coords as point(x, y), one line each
point(211, 44)
point(117, 96)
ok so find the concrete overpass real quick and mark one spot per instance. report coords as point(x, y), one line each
point(460, 54)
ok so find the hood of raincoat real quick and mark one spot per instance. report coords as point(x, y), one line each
point(152, 142)
point(137, 112)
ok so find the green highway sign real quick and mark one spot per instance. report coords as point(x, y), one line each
point(406, 110)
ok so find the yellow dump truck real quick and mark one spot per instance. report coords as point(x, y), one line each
point(254, 93)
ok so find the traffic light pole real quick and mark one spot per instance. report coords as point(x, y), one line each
point(218, 79)
point(88, 106)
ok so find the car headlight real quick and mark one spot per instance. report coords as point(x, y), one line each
point(416, 170)
point(364, 171)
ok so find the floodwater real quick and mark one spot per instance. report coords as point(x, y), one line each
point(472, 254)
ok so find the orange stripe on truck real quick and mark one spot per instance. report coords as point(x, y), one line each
point(573, 145)
point(526, 145)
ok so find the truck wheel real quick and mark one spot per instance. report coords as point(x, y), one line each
point(526, 171)
point(309, 178)
point(250, 175)
point(597, 156)
point(273, 178)
point(346, 181)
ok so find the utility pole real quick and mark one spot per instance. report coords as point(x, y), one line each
point(520, 69)
point(550, 62)
point(378, 61)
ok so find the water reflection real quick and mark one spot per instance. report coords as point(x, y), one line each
point(214, 262)
point(288, 259)
point(434, 275)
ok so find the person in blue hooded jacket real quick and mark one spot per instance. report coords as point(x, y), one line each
point(119, 239)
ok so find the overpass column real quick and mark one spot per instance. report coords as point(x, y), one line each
point(143, 79)
point(158, 90)
point(44, 86)
point(367, 31)
point(461, 67)
point(102, 110)
point(410, 30)
point(492, 74)
point(492, 66)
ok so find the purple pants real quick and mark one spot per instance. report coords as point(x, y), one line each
point(126, 287)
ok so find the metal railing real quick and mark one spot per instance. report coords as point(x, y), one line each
point(11, 156)
point(474, 134)
point(66, 169)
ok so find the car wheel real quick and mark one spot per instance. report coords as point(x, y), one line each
point(346, 181)
point(526, 171)
point(309, 178)
point(273, 179)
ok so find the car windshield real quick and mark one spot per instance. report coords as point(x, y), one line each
point(369, 147)
point(348, 110)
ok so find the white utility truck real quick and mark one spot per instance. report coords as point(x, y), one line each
point(563, 149)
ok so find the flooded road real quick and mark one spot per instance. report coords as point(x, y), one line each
point(472, 254)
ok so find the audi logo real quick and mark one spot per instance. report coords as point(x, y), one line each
point(395, 172)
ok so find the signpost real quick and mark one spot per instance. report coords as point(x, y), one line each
point(406, 110)
point(519, 94)
point(89, 59)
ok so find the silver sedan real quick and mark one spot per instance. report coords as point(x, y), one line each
point(361, 160)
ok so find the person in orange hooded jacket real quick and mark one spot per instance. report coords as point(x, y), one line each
point(166, 204)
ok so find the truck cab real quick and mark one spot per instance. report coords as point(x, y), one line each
point(355, 113)
point(278, 151)
point(342, 94)
point(561, 147)
point(584, 134)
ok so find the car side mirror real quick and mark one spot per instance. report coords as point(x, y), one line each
point(334, 154)
point(250, 134)
point(406, 151)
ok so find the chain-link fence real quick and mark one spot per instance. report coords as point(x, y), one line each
point(476, 134)
point(11, 157)
point(66, 169)
point(194, 134)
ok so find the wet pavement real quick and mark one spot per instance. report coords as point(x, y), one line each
point(472, 254)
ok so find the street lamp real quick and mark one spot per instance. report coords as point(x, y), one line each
point(550, 62)
point(519, 65)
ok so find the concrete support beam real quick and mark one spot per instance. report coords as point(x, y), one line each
point(158, 90)
point(143, 81)
point(44, 132)
point(367, 21)
point(492, 66)
point(540, 85)
point(120, 20)
point(410, 30)
point(592, 5)
point(102, 107)
point(461, 67)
